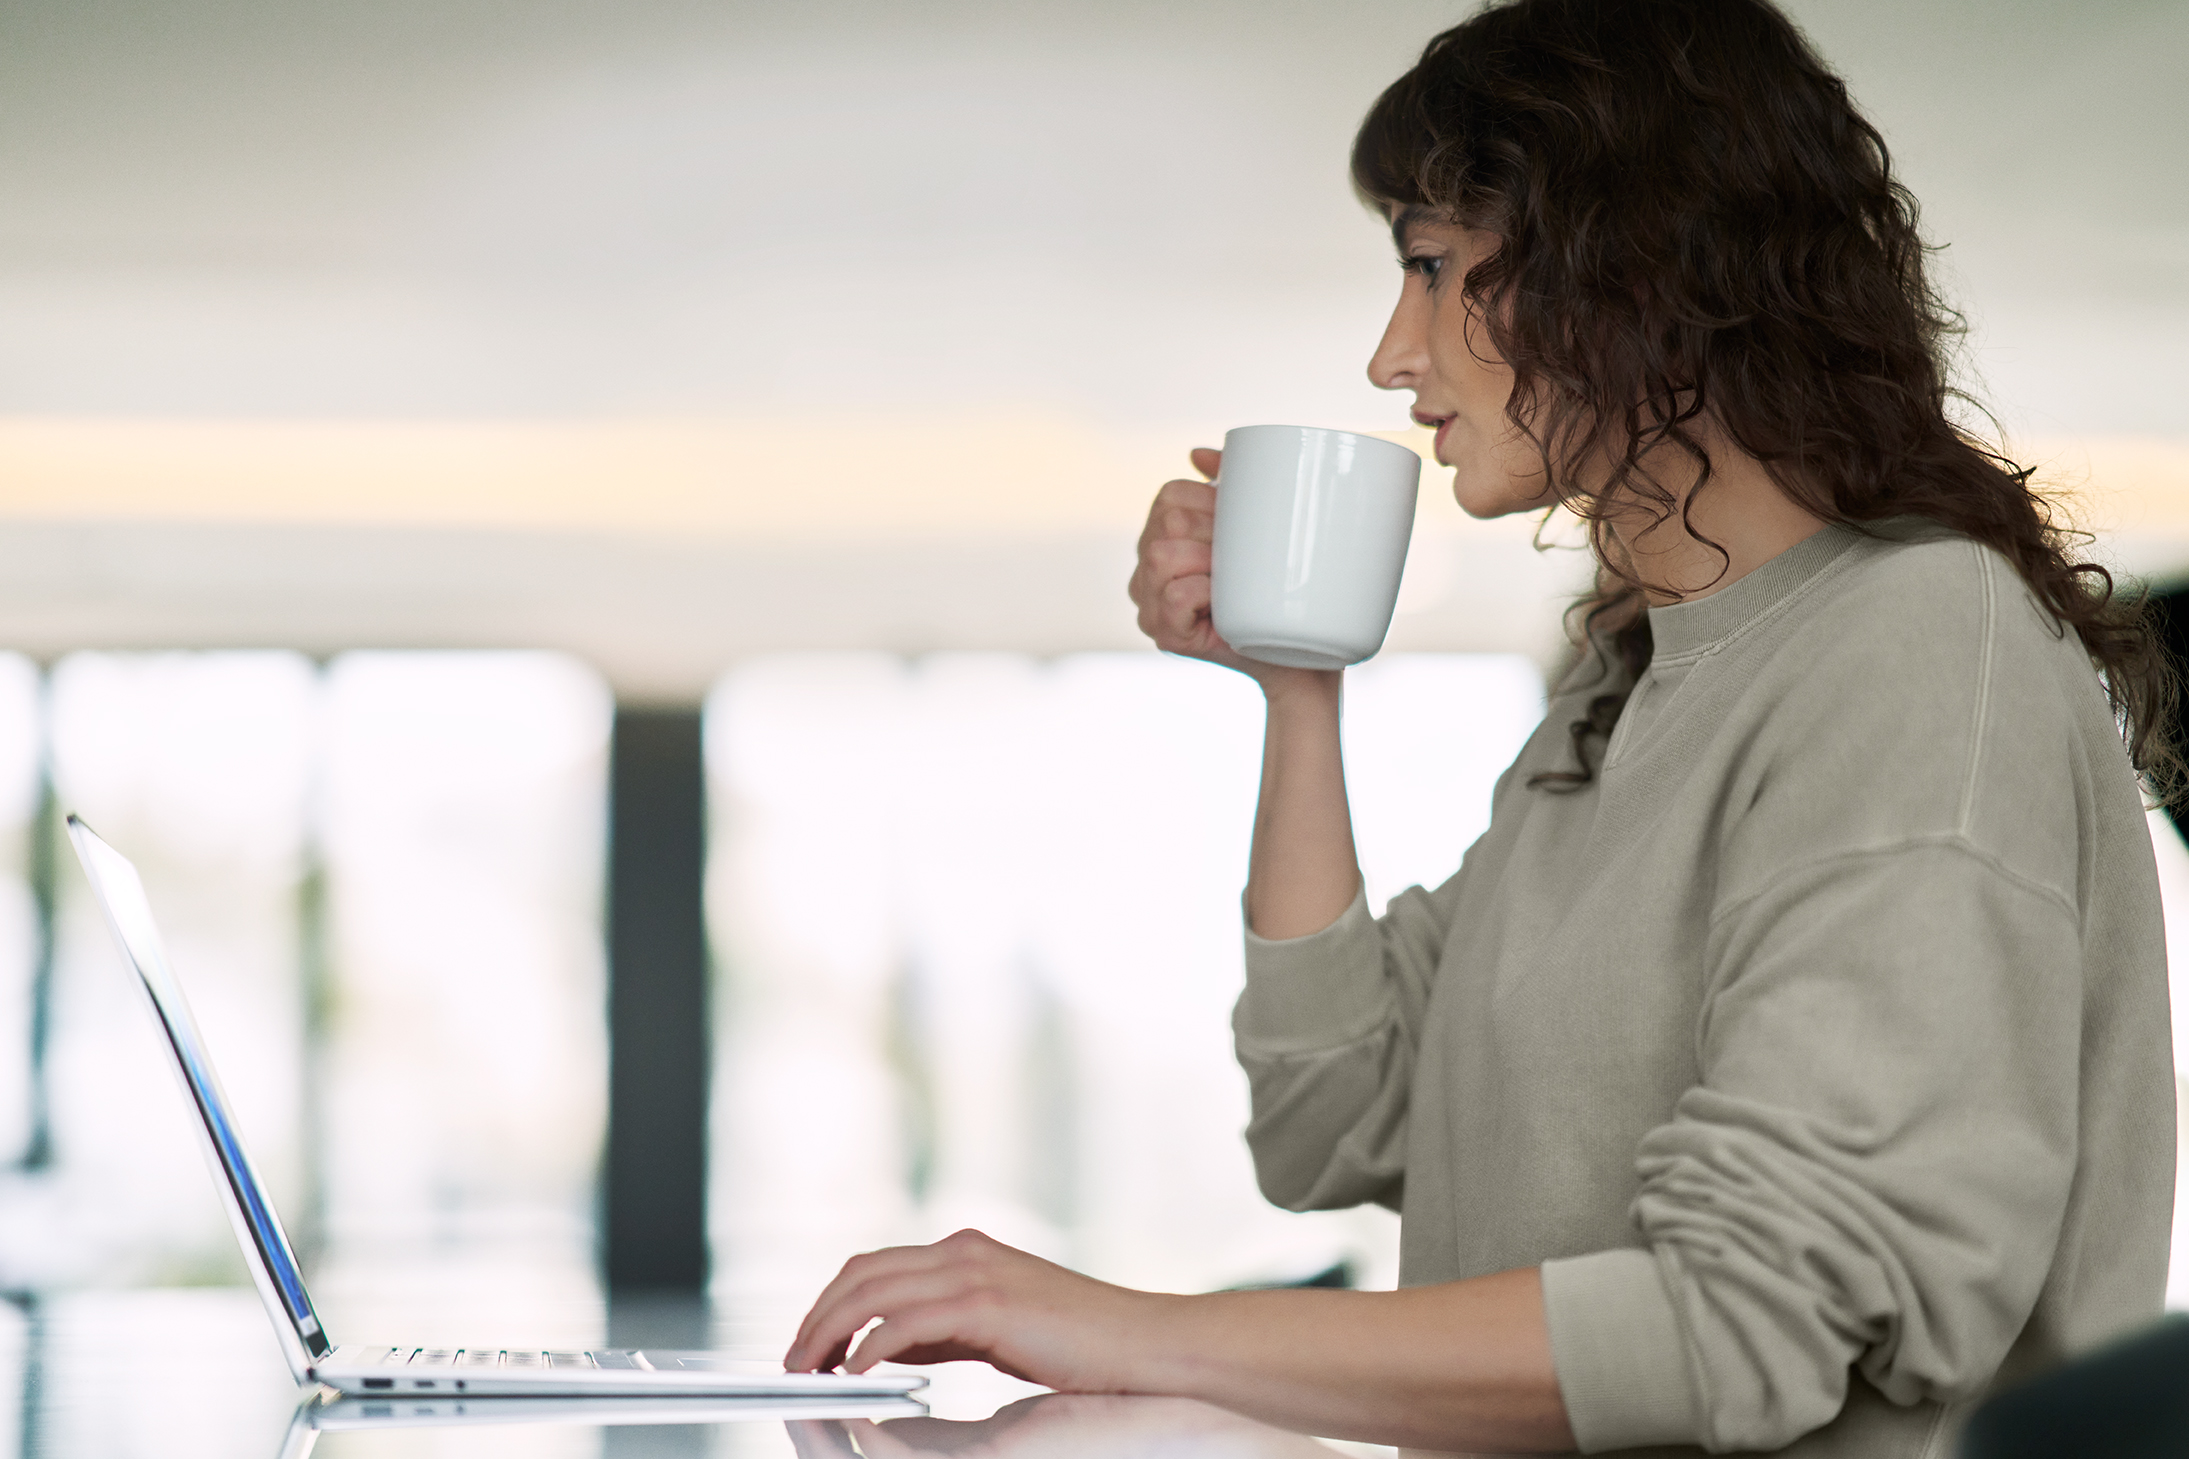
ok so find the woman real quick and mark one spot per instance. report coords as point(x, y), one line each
point(1788, 1063)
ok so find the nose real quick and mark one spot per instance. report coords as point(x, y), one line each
point(1402, 359)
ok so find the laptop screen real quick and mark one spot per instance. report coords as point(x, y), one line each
point(121, 893)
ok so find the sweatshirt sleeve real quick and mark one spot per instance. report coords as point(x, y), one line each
point(1871, 1174)
point(1326, 1031)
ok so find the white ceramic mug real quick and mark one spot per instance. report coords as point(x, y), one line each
point(1311, 533)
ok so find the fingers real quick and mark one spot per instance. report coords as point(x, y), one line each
point(1181, 509)
point(949, 1327)
point(845, 1276)
point(1173, 592)
point(1177, 557)
point(899, 1438)
point(820, 1439)
point(883, 1296)
point(1181, 614)
point(1165, 558)
point(1174, 548)
point(819, 1336)
point(1206, 460)
point(875, 1283)
point(971, 1297)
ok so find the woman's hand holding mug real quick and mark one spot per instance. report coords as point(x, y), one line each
point(1170, 584)
point(1294, 575)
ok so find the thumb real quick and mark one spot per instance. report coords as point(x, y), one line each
point(1206, 460)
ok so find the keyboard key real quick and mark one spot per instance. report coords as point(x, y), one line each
point(516, 1359)
point(479, 1358)
point(615, 1358)
point(569, 1360)
point(434, 1358)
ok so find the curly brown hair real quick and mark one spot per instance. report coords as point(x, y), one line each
point(1696, 222)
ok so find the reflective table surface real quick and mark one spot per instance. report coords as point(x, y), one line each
point(188, 1372)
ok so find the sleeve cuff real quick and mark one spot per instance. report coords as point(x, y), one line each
point(1317, 991)
point(1617, 1346)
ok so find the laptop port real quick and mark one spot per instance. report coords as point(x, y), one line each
point(459, 1385)
point(422, 1383)
point(379, 1382)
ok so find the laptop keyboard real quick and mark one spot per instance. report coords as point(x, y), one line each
point(475, 1358)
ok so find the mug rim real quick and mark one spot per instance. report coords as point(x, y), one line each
point(1329, 431)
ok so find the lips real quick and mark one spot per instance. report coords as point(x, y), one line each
point(1439, 423)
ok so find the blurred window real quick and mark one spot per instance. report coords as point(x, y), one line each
point(394, 860)
point(197, 766)
point(978, 936)
point(462, 822)
point(20, 755)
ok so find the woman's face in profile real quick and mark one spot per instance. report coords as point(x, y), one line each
point(1437, 347)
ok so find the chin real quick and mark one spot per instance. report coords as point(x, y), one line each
point(1485, 501)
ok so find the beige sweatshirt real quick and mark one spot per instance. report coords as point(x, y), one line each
point(1818, 1052)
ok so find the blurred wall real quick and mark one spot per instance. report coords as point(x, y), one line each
point(1132, 211)
point(668, 332)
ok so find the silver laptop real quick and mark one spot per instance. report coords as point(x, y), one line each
point(397, 1368)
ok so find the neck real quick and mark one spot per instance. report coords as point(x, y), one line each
point(1741, 509)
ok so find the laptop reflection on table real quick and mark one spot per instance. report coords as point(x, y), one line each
point(324, 1411)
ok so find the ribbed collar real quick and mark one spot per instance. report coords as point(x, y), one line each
point(1686, 627)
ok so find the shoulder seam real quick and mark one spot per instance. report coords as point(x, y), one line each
point(1952, 840)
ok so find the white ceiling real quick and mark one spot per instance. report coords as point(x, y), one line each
point(1133, 213)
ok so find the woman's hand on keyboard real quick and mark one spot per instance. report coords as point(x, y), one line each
point(969, 1296)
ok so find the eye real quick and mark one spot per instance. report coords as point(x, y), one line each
point(1424, 264)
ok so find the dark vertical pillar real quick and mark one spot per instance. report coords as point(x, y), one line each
point(654, 1187)
point(30, 1410)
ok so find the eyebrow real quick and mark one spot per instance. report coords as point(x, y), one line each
point(1407, 217)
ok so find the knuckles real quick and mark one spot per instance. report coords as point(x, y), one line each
point(1182, 593)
